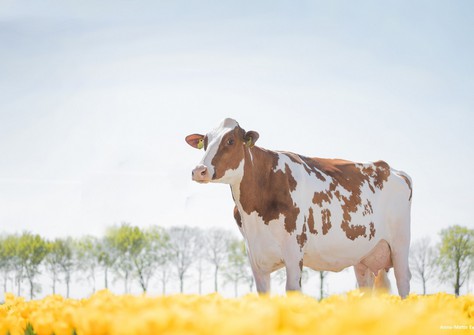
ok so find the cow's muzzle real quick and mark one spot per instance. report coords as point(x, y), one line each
point(201, 174)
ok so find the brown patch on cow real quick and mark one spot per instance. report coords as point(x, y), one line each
point(237, 217)
point(369, 171)
point(302, 238)
point(349, 176)
point(381, 174)
point(353, 231)
point(310, 221)
point(326, 219)
point(319, 197)
point(291, 180)
point(372, 230)
point(228, 157)
point(306, 162)
point(265, 191)
point(407, 180)
point(367, 209)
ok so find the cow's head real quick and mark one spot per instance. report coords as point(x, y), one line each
point(224, 152)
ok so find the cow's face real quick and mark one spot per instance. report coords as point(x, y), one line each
point(224, 147)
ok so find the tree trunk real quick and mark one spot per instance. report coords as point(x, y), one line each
point(181, 282)
point(457, 284)
point(163, 282)
point(215, 278)
point(105, 278)
point(125, 281)
point(236, 283)
point(424, 284)
point(143, 284)
point(93, 281)
point(32, 288)
point(5, 281)
point(321, 285)
point(54, 285)
point(200, 277)
point(18, 281)
point(67, 286)
point(200, 282)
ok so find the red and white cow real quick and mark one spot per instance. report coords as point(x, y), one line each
point(326, 214)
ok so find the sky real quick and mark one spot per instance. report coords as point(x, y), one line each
point(97, 97)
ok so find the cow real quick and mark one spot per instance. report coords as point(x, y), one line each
point(325, 214)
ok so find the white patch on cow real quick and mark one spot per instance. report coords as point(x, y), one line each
point(214, 139)
point(281, 163)
point(264, 241)
point(232, 176)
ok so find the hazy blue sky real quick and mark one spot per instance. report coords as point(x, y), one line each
point(96, 98)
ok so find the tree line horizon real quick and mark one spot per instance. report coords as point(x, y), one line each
point(134, 254)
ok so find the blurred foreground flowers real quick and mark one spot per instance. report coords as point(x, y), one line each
point(352, 313)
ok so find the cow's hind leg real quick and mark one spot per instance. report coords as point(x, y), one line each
point(401, 269)
point(293, 275)
point(262, 281)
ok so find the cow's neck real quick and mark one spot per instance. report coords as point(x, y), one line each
point(258, 165)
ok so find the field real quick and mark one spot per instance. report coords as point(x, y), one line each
point(352, 313)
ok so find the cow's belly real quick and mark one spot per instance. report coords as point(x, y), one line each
point(375, 256)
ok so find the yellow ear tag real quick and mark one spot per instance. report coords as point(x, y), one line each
point(249, 143)
point(200, 144)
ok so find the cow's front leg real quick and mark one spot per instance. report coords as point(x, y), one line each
point(262, 280)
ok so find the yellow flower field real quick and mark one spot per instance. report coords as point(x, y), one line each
point(352, 313)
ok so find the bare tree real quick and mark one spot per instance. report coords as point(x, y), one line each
point(423, 261)
point(7, 257)
point(217, 242)
point(163, 257)
point(60, 259)
point(200, 265)
point(87, 258)
point(164, 274)
point(184, 244)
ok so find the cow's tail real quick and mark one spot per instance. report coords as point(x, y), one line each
point(382, 283)
point(408, 181)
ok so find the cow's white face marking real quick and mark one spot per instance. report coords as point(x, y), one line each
point(223, 170)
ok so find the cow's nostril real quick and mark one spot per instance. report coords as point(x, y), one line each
point(203, 172)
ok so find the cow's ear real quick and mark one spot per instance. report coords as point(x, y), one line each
point(195, 140)
point(250, 138)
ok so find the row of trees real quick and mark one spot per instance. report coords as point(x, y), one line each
point(134, 255)
point(126, 252)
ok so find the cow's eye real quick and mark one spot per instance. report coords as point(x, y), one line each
point(230, 141)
